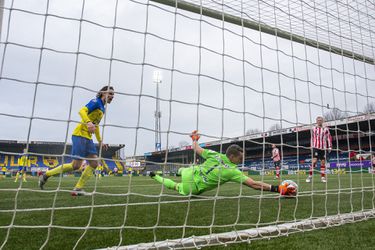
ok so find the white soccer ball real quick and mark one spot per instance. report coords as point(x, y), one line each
point(290, 183)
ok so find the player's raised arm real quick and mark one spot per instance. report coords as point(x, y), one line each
point(195, 137)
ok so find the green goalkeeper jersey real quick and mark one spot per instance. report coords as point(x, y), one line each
point(215, 171)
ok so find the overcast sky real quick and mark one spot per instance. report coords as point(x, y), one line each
point(244, 83)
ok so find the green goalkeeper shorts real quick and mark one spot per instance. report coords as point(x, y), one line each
point(187, 185)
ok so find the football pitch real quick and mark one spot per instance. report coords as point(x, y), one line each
point(134, 210)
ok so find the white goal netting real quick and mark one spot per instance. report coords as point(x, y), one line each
point(251, 73)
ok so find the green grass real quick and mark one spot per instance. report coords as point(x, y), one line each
point(174, 215)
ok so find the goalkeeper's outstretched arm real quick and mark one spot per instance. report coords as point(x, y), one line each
point(282, 189)
point(258, 185)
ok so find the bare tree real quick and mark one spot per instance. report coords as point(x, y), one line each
point(275, 126)
point(369, 108)
point(334, 114)
point(253, 131)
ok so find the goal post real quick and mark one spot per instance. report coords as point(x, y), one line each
point(240, 236)
point(244, 21)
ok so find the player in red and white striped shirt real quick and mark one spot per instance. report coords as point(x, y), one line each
point(321, 141)
point(276, 160)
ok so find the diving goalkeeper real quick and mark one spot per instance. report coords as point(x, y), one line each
point(216, 170)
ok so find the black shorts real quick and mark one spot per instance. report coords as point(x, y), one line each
point(319, 154)
point(276, 164)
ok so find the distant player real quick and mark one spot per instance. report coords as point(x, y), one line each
point(23, 164)
point(216, 170)
point(83, 145)
point(3, 171)
point(321, 144)
point(99, 171)
point(276, 160)
point(352, 155)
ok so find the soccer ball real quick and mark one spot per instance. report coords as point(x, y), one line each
point(289, 183)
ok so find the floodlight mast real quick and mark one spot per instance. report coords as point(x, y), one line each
point(157, 79)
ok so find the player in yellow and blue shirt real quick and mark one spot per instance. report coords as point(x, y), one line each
point(83, 146)
point(216, 170)
point(23, 164)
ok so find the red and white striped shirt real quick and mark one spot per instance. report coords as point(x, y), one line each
point(320, 137)
point(275, 154)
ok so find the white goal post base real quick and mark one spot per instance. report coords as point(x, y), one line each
point(255, 233)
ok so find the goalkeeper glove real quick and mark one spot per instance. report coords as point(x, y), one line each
point(287, 189)
point(194, 135)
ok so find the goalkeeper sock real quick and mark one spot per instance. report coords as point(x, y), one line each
point(322, 170)
point(311, 170)
point(168, 183)
point(24, 176)
point(87, 173)
point(60, 169)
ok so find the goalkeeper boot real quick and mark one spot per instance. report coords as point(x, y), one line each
point(323, 179)
point(79, 192)
point(308, 180)
point(152, 174)
point(42, 181)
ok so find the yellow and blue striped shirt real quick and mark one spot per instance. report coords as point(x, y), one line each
point(92, 112)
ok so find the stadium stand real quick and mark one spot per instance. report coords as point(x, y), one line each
point(47, 155)
point(352, 134)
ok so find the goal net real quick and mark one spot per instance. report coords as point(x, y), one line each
point(252, 73)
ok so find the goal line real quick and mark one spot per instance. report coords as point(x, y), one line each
point(249, 235)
